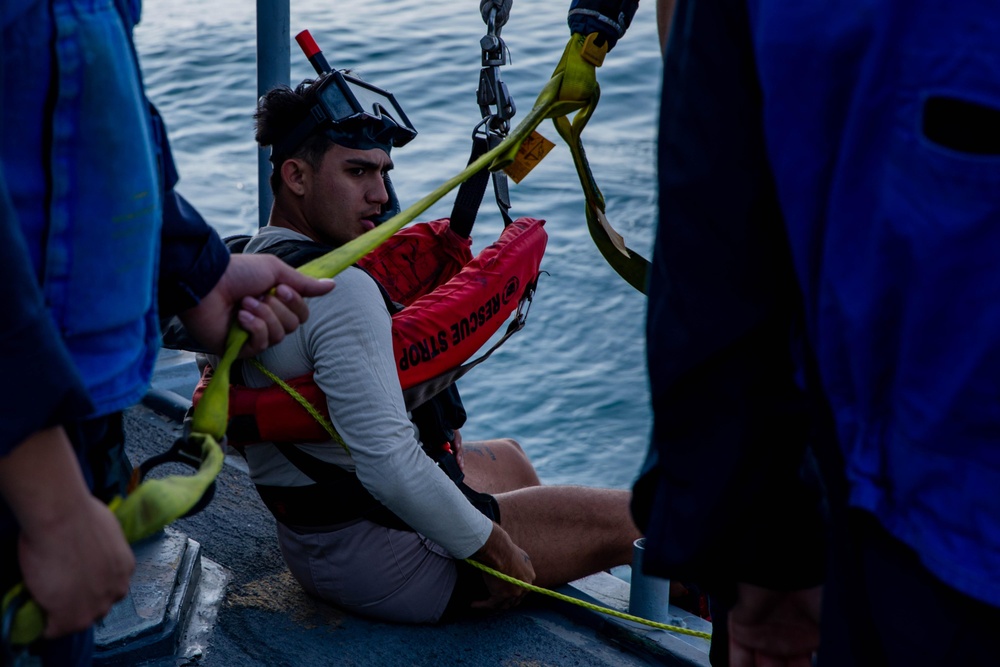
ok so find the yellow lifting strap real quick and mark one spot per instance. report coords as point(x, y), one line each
point(155, 503)
point(572, 88)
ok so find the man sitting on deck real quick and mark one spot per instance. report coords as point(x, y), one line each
point(403, 560)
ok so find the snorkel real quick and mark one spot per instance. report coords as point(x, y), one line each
point(351, 113)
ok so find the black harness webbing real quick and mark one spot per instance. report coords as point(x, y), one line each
point(338, 496)
point(470, 193)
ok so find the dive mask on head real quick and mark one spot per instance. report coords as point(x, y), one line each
point(354, 114)
point(351, 113)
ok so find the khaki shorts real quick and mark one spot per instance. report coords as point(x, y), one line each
point(371, 570)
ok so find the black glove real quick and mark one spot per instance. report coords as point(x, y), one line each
point(608, 18)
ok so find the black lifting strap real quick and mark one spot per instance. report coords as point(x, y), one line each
point(492, 94)
point(470, 193)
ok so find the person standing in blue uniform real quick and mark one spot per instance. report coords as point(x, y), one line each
point(96, 247)
point(824, 279)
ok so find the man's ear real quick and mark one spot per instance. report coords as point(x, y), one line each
point(293, 175)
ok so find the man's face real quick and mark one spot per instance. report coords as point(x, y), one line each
point(345, 193)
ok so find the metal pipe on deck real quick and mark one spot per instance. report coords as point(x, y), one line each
point(273, 69)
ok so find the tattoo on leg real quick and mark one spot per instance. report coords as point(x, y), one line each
point(481, 451)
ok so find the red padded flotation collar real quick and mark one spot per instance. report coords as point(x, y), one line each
point(454, 303)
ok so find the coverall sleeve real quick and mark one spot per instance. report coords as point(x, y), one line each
point(44, 387)
point(722, 498)
point(192, 256)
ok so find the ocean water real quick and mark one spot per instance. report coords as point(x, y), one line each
point(571, 387)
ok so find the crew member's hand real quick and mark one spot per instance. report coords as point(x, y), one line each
point(74, 558)
point(76, 568)
point(774, 628)
point(267, 317)
point(503, 555)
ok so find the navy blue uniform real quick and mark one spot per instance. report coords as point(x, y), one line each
point(824, 275)
point(96, 244)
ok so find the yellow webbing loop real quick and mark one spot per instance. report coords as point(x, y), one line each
point(574, 88)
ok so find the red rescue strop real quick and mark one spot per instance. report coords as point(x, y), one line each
point(454, 303)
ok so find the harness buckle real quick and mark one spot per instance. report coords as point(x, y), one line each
point(524, 305)
point(593, 53)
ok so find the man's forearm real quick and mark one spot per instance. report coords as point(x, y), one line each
point(33, 501)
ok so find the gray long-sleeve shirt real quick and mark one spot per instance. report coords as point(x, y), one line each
point(347, 341)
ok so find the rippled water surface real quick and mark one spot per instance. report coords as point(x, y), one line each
point(571, 387)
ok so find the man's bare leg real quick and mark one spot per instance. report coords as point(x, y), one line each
point(497, 466)
point(569, 531)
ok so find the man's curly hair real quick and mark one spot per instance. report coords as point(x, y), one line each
point(279, 111)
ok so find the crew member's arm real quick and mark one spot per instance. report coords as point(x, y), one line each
point(74, 560)
point(246, 286)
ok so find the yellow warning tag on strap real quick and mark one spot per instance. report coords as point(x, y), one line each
point(531, 152)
